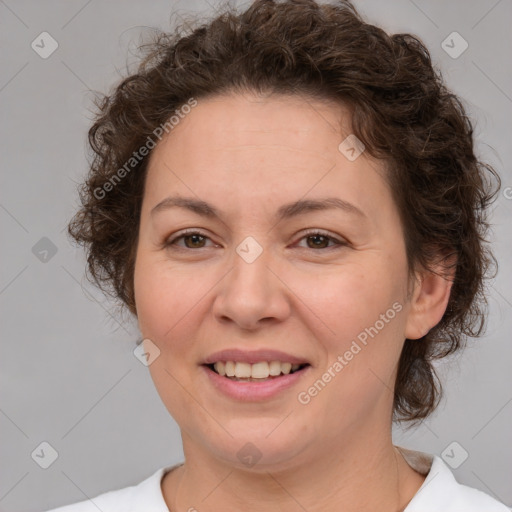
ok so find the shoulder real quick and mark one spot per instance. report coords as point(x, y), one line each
point(441, 491)
point(146, 496)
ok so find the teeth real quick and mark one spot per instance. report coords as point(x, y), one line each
point(275, 368)
point(230, 368)
point(242, 370)
point(286, 368)
point(261, 370)
point(220, 368)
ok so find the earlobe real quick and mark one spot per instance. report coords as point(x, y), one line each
point(428, 302)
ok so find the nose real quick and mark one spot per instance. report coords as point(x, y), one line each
point(252, 293)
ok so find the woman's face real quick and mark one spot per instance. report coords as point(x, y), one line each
point(254, 281)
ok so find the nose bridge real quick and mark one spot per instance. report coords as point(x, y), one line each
point(250, 275)
point(251, 292)
point(251, 263)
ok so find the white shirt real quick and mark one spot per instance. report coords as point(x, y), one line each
point(440, 492)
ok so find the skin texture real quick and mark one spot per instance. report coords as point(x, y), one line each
point(247, 155)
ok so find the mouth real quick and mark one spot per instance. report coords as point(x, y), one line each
point(261, 371)
point(255, 375)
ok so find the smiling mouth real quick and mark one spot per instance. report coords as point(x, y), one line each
point(257, 372)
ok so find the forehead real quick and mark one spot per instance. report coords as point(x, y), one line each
point(236, 122)
point(257, 150)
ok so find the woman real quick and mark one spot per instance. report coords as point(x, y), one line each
point(289, 203)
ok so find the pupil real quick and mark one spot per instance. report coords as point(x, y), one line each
point(318, 237)
point(195, 237)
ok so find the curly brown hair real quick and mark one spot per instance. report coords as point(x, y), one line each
point(401, 111)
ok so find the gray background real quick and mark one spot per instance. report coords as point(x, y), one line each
point(68, 373)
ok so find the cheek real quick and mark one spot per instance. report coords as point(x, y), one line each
point(349, 298)
point(362, 354)
point(166, 297)
point(362, 306)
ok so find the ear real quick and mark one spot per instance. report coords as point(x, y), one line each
point(429, 298)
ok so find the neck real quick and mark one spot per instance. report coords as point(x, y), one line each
point(362, 471)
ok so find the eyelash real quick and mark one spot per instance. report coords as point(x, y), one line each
point(171, 243)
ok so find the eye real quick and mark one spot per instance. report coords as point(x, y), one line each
point(319, 239)
point(196, 240)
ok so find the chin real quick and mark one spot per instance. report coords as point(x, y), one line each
point(259, 449)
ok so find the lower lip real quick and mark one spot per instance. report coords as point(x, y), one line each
point(252, 390)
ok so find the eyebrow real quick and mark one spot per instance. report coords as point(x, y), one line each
point(286, 211)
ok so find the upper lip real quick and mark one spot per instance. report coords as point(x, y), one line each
point(253, 356)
